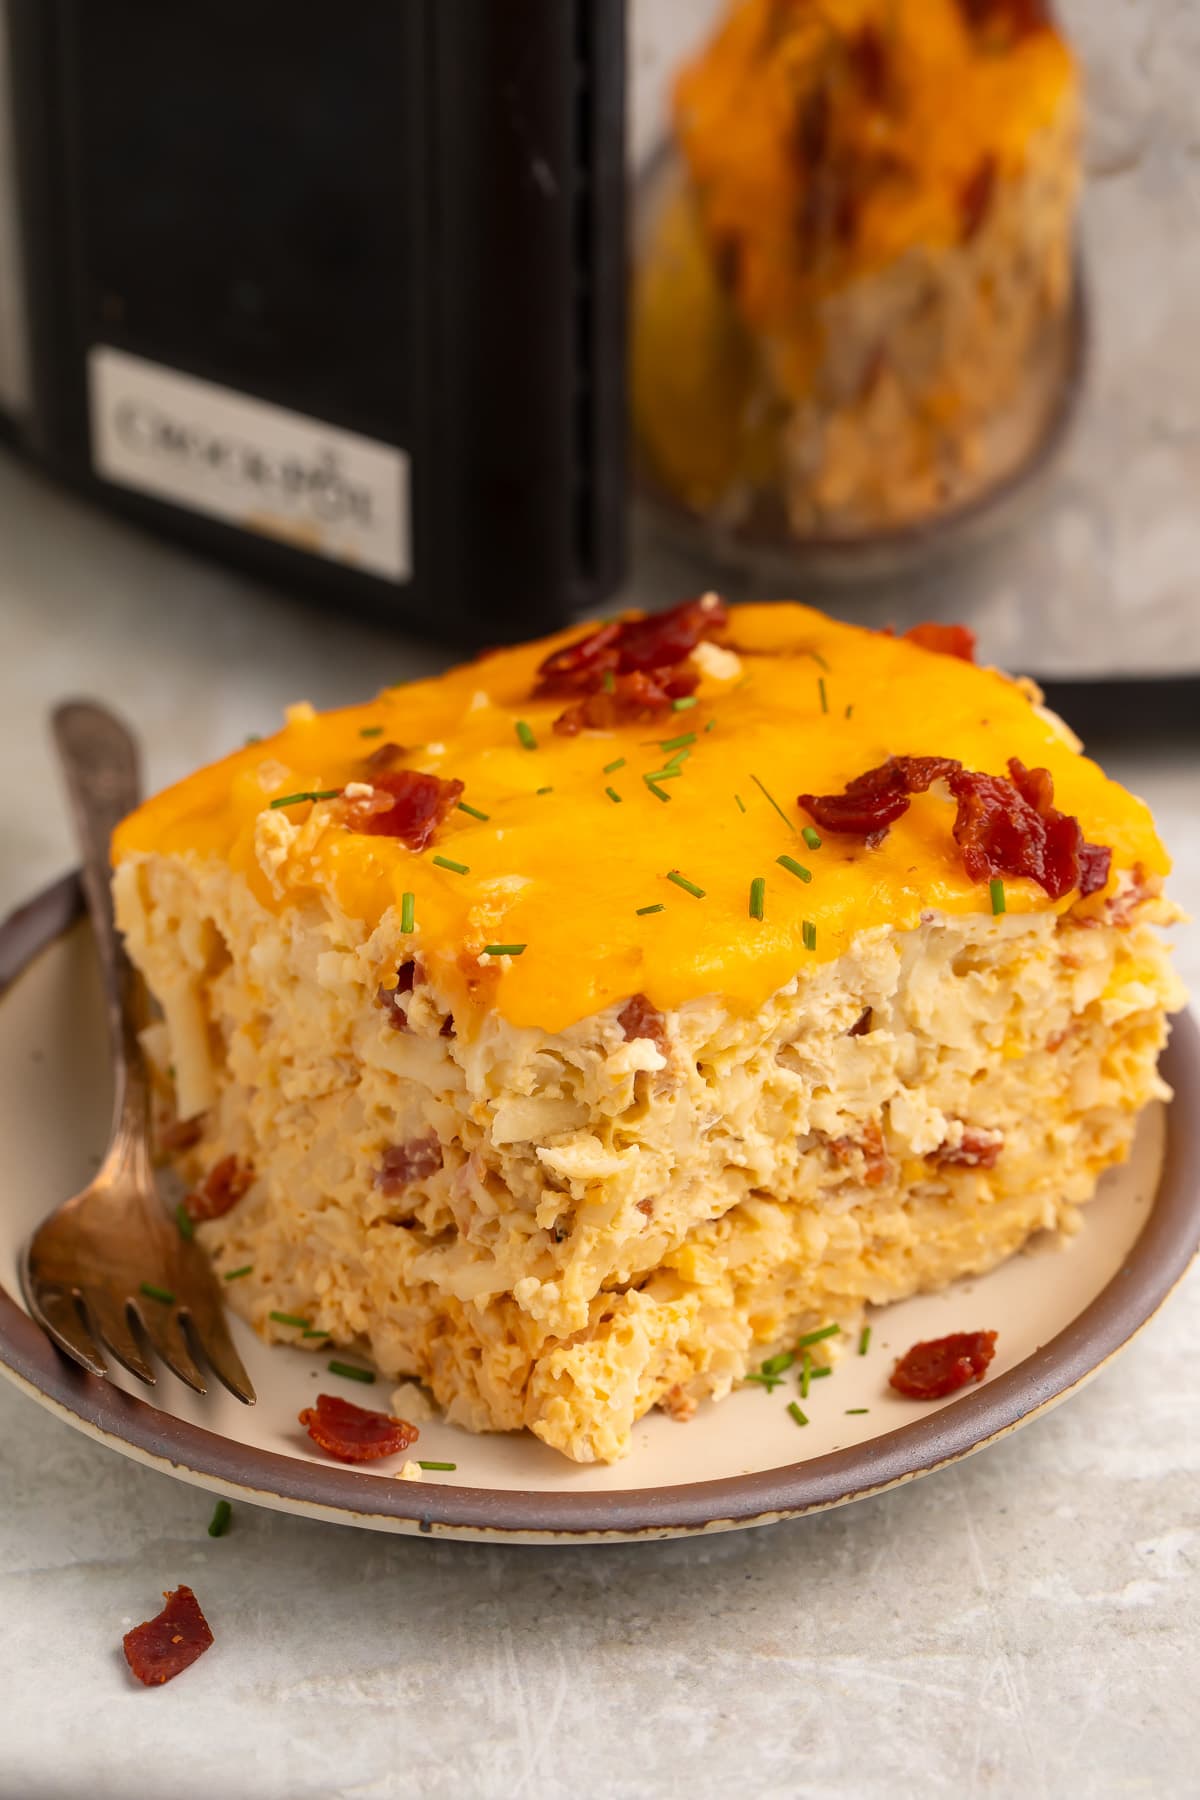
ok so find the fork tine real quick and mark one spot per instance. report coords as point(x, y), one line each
point(210, 1339)
point(111, 1325)
point(165, 1333)
point(58, 1314)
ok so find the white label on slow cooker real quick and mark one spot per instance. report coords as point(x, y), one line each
point(262, 467)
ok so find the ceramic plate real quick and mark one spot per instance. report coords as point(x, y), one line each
point(1061, 1314)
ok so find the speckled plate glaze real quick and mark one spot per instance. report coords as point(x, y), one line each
point(1061, 1314)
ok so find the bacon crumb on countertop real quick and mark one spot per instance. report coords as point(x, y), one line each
point(162, 1647)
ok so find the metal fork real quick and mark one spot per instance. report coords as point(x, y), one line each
point(110, 1266)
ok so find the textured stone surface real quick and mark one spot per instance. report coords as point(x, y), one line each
point(1023, 1624)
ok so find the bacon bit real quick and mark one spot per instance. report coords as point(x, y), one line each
point(975, 200)
point(389, 998)
point(977, 1150)
point(646, 1206)
point(163, 1647)
point(631, 698)
point(871, 1147)
point(402, 1164)
point(945, 640)
point(406, 804)
point(220, 1190)
point(629, 669)
point(385, 757)
point(875, 800)
point(355, 1434)
point(862, 1024)
point(942, 1365)
point(1013, 828)
point(181, 1134)
point(677, 1405)
point(1003, 826)
point(869, 58)
point(638, 1019)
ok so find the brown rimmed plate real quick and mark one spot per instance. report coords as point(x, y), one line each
point(1061, 1314)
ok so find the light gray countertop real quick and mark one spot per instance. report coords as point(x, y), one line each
point(1023, 1623)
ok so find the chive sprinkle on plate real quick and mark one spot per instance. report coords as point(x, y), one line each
point(689, 887)
point(525, 733)
point(817, 1337)
point(349, 1372)
point(308, 794)
point(473, 811)
point(282, 1318)
point(237, 1274)
point(408, 912)
point(503, 949)
point(657, 907)
point(774, 802)
point(183, 1220)
point(218, 1525)
point(808, 933)
point(999, 898)
point(613, 795)
point(794, 868)
point(741, 803)
point(443, 862)
point(371, 731)
point(678, 743)
point(440, 1466)
point(758, 888)
point(682, 704)
point(658, 792)
point(864, 1340)
point(812, 838)
point(800, 1418)
point(612, 767)
point(164, 1295)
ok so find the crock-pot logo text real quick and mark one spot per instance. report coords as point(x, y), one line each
point(316, 484)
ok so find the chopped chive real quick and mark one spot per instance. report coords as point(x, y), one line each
point(503, 949)
point(236, 1274)
point(711, 725)
point(758, 888)
point(659, 793)
point(818, 659)
point(218, 1525)
point(778, 1365)
point(689, 887)
point(613, 795)
point(612, 767)
point(864, 1340)
point(667, 773)
point(371, 731)
point(525, 733)
point(254, 737)
point(408, 912)
point(677, 743)
point(682, 704)
point(741, 802)
point(183, 1219)
point(437, 1465)
point(349, 1372)
point(850, 709)
point(812, 838)
point(819, 1369)
point(309, 794)
point(473, 811)
point(313, 1332)
point(548, 790)
point(657, 907)
point(817, 1337)
point(443, 862)
point(794, 868)
point(609, 682)
point(999, 899)
point(156, 1293)
point(761, 1379)
point(805, 1375)
point(808, 933)
point(800, 1417)
point(852, 1410)
point(823, 694)
point(282, 1318)
point(774, 803)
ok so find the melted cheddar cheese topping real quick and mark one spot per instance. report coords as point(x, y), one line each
point(803, 704)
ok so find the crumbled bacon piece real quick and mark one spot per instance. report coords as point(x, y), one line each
point(646, 1206)
point(875, 800)
point(1012, 827)
point(976, 1150)
point(870, 1147)
point(405, 804)
point(942, 1365)
point(220, 1190)
point(630, 698)
point(946, 640)
point(181, 1134)
point(355, 1434)
point(862, 1024)
point(638, 1019)
point(386, 756)
point(389, 998)
point(165, 1646)
point(403, 1164)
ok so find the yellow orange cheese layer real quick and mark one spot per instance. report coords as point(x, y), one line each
point(807, 705)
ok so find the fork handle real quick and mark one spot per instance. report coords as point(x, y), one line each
point(101, 766)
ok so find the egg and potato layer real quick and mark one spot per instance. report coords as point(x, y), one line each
point(557, 1209)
